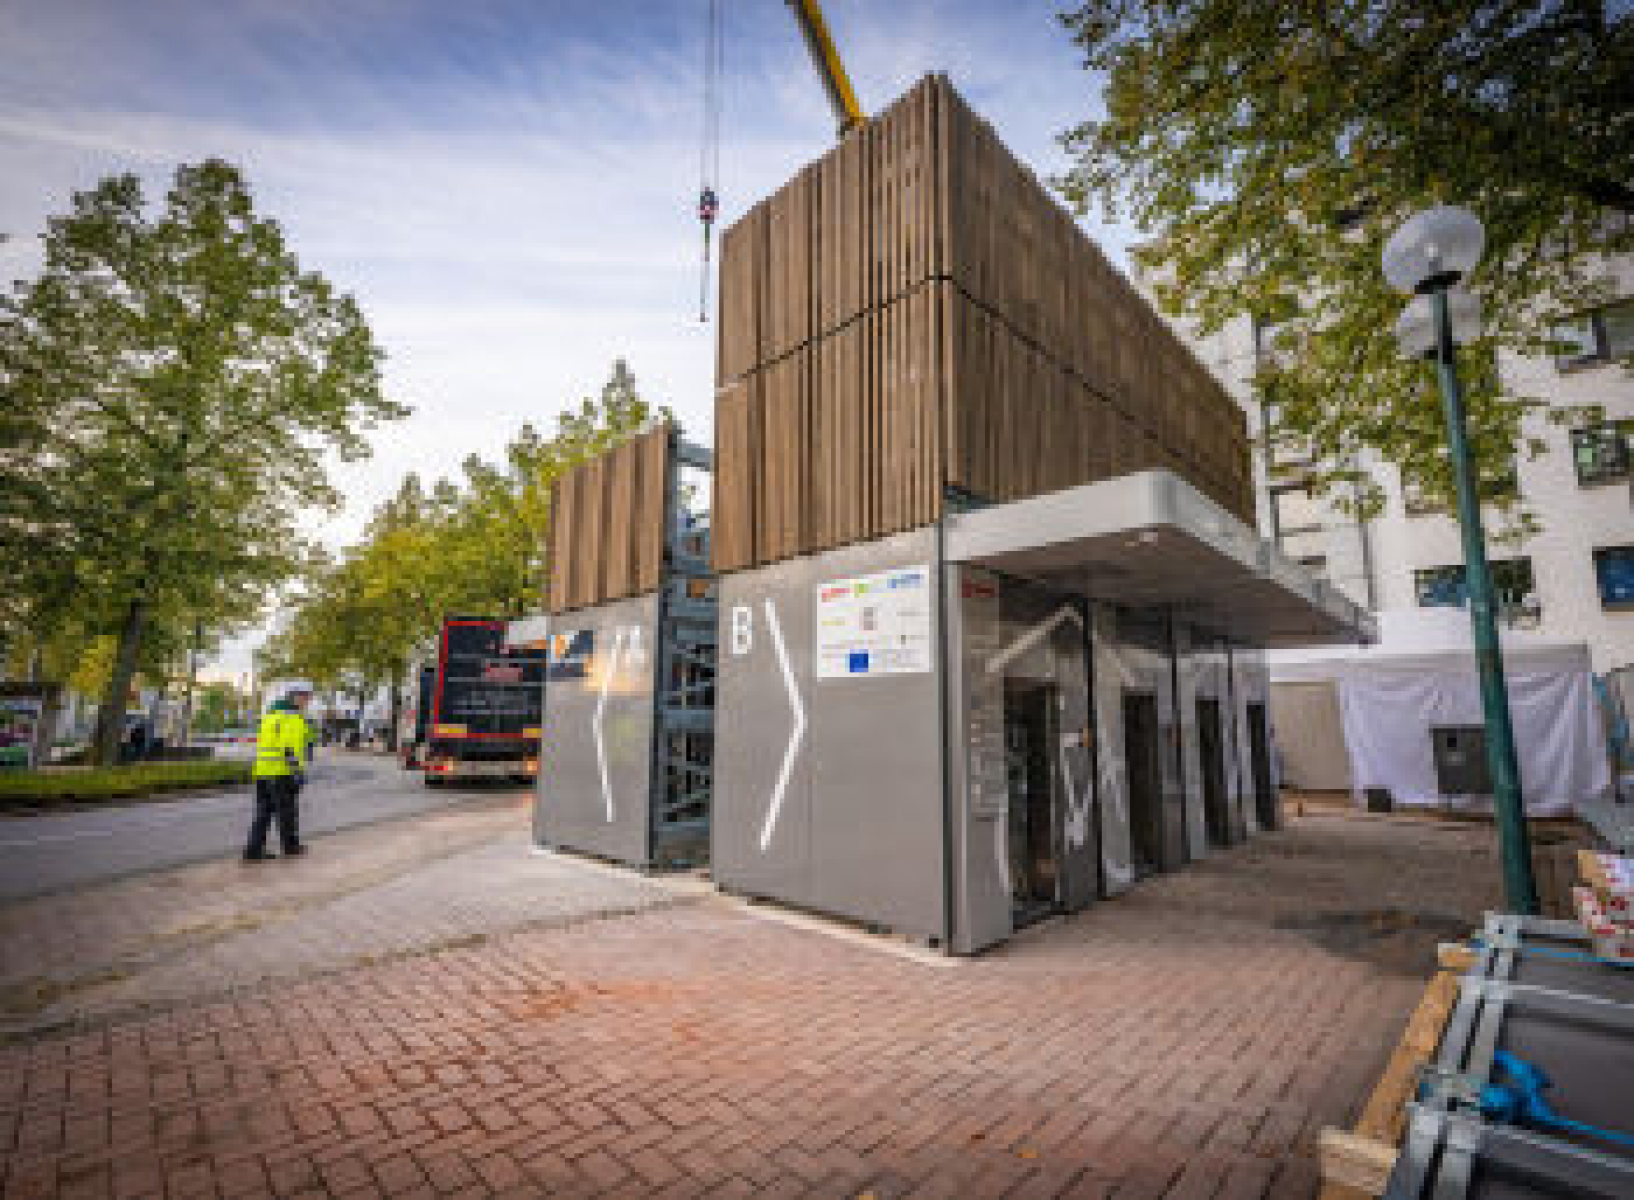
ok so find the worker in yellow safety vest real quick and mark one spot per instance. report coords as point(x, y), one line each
point(283, 747)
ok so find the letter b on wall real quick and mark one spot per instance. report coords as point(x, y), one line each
point(742, 629)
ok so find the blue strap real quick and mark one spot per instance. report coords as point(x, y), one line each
point(1547, 952)
point(1516, 1098)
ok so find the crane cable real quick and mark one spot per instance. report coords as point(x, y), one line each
point(709, 153)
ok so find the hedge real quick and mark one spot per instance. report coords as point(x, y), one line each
point(26, 788)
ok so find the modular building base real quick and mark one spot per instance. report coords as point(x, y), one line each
point(956, 730)
point(627, 759)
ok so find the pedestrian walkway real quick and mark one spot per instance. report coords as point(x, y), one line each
point(450, 877)
point(1187, 1040)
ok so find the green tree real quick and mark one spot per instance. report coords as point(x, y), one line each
point(219, 704)
point(1270, 148)
point(474, 547)
point(173, 382)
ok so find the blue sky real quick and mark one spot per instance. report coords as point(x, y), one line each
point(508, 186)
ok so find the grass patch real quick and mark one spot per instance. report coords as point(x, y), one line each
point(32, 789)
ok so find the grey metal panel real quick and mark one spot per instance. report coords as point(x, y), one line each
point(1252, 685)
point(1133, 654)
point(982, 911)
point(853, 823)
point(878, 848)
point(760, 827)
point(1151, 634)
point(1206, 672)
point(1079, 843)
point(1191, 681)
point(595, 758)
point(1239, 788)
point(1113, 674)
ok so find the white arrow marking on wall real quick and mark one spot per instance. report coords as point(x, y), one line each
point(1032, 637)
point(1001, 851)
point(795, 735)
point(595, 722)
point(1076, 825)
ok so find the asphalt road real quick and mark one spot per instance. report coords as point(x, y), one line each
point(63, 850)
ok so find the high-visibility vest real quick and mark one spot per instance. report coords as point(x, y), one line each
point(280, 745)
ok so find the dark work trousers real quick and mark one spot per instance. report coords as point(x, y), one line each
point(275, 800)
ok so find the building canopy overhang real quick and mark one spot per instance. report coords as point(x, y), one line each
point(1150, 539)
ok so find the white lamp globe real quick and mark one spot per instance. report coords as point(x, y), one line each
point(1415, 328)
point(1437, 246)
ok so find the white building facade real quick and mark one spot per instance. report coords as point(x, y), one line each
point(1572, 581)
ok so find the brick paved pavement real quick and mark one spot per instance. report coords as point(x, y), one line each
point(1186, 1040)
point(450, 877)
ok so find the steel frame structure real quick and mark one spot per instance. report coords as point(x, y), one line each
point(682, 776)
point(1447, 1137)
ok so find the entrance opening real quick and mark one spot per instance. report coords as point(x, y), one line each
point(1029, 718)
point(1211, 749)
point(1259, 766)
point(1141, 751)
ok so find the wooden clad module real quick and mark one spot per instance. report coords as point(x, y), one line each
point(607, 515)
point(914, 312)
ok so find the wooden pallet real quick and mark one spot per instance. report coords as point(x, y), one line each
point(1358, 1162)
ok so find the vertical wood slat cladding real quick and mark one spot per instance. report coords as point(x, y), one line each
point(742, 295)
point(652, 464)
point(559, 557)
point(607, 518)
point(914, 311)
point(618, 530)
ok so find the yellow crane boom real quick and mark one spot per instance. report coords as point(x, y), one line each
point(847, 112)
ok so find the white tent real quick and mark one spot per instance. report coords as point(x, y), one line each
point(1422, 675)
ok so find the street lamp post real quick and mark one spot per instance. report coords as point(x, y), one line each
point(1427, 256)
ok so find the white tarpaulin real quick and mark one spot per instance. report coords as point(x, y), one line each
point(1422, 675)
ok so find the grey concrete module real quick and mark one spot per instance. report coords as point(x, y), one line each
point(828, 778)
point(595, 768)
point(953, 731)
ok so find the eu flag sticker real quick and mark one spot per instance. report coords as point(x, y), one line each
point(857, 662)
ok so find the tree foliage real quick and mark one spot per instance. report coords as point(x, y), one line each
point(1270, 148)
point(475, 547)
point(173, 381)
point(219, 706)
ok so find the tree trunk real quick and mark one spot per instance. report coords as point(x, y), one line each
point(192, 678)
point(50, 716)
point(110, 718)
point(396, 711)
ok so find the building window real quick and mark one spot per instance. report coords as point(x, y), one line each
point(1614, 573)
point(1511, 578)
point(1600, 453)
point(1596, 337)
